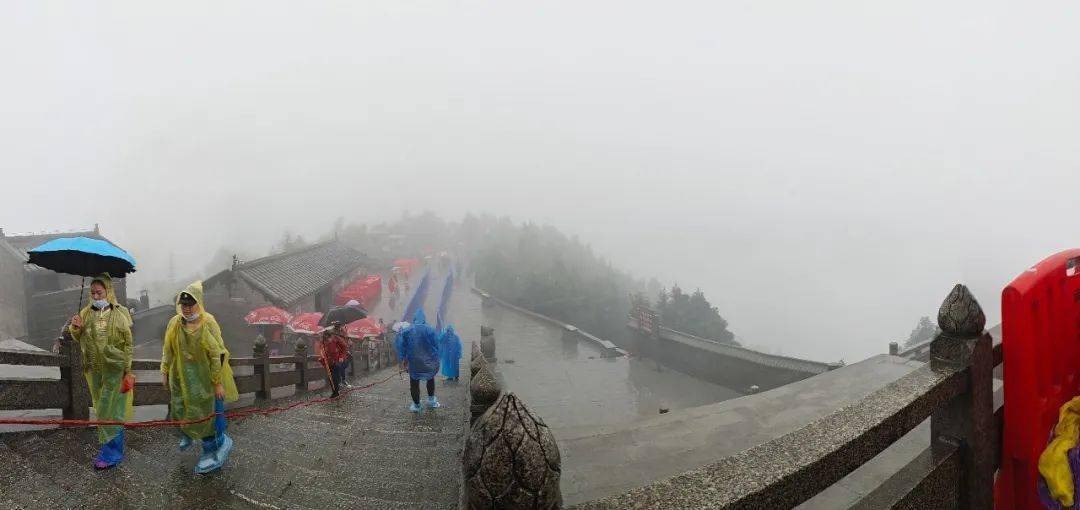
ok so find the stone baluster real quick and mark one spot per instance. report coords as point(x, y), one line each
point(487, 342)
point(353, 352)
point(78, 406)
point(301, 365)
point(262, 369)
point(968, 419)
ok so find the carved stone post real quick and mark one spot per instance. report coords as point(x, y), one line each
point(967, 419)
point(487, 342)
point(484, 388)
point(262, 368)
point(78, 404)
point(301, 365)
point(512, 460)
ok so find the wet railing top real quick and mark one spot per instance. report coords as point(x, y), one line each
point(745, 354)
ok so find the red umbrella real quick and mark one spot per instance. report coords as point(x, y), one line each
point(268, 316)
point(363, 328)
point(306, 323)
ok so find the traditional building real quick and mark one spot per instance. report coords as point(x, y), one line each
point(34, 301)
point(304, 280)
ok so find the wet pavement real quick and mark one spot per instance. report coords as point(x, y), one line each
point(569, 384)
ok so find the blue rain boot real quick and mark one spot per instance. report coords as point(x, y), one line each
point(224, 449)
point(185, 443)
point(111, 452)
point(414, 407)
point(433, 402)
point(208, 458)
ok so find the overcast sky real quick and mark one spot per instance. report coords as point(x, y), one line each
point(824, 171)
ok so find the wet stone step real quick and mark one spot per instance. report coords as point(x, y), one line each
point(19, 486)
point(418, 487)
point(268, 486)
point(76, 473)
point(321, 493)
point(286, 460)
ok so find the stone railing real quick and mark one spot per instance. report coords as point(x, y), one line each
point(954, 390)
point(69, 393)
point(917, 352)
point(608, 349)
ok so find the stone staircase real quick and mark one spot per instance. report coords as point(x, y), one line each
point(362, 451)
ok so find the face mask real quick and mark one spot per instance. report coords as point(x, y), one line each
point(193, 316)
point(100, 304)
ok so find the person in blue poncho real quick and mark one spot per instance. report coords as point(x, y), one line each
point(450, 353)
point(418, 351)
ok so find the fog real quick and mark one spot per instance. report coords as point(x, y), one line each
point(824, 171)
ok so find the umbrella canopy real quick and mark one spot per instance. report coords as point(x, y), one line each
point(268, 316)
point(306, 323)
point(83, 256)
point(343, 314)
point(363, 328)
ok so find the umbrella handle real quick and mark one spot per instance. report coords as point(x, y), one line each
point(81, 290)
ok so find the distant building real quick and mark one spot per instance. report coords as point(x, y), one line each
point(35, 302)
point(304, 280)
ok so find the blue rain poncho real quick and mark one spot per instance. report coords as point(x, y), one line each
point(419, 345)
point(450, 352)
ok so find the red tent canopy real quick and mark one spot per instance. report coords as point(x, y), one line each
point(306, 323)
point(365, 290)
point(268, 316)
point(363, 328)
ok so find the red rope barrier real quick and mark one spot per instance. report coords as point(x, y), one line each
point(241, 413)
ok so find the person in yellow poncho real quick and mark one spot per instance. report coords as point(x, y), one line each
point(195, 369)
point(103, 331)
point(1054, 465)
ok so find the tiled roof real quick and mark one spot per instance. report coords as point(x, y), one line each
point(23, 243)
point(286, 278)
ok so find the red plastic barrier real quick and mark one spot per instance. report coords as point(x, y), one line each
point(1040, 316)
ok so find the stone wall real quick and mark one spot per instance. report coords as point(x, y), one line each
point(730, 372)
point(50, 310)
point(230, 302)
point(12, 294)
point(150, 324)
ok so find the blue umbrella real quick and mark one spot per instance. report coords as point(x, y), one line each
point(82, 256)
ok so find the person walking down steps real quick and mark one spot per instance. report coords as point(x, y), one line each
point(103, 332)
point(195, 369)
point(418, 350)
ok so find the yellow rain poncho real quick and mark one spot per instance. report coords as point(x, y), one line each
point(105, 342)
point(1054, 460)
point(195, 359)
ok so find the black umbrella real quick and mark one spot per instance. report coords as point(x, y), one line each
point(342, 314)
